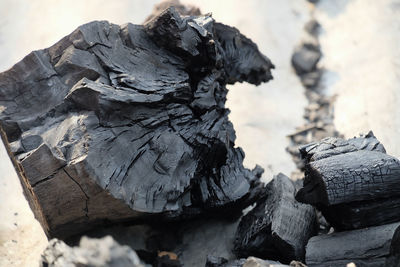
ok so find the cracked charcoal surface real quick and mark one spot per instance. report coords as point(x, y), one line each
point(279, 227)
point(365, 247)
point(353, 182)
point(130, 121)
point(104, 252)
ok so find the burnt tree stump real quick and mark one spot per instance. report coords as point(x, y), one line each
point(354, 183)
point(279, 227)
point(128, 123)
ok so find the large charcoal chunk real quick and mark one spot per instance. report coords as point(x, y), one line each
point(279, 227)
point(364, 247)
point(131, 122)
point(353, 182)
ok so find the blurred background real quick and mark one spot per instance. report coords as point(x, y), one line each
point(360, 43)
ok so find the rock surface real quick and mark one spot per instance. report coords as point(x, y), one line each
point(131, 120)
point(279, 227)
point(305, 58)
point(104, 252)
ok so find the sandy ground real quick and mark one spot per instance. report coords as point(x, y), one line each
point(21, 236)
point(361, 46)
point(262, 116)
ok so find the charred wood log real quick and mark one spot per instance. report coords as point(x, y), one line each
point(364, 247)
point(279, 227)
point(354, 183)
point(127, 123)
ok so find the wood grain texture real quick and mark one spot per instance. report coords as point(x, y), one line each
point(117, 123)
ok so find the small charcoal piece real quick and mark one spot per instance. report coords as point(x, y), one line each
point(312, 27)
point(305, 58)
point(364, 247)
point(182, 9)
point(279, 227)
point(104, 252)
point(354, 183)
point(128, 123)
point(311, 79)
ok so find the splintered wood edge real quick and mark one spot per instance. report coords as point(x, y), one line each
point(27, 188)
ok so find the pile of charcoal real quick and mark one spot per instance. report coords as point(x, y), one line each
point(122, 131)
point(355, 185)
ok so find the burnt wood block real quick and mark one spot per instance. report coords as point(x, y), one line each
point(353, 182)
point(279, 227)
point(128, 123)
point(364, 247)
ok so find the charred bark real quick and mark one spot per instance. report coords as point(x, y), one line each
point(354, 183)
point(125, 123)
point(279, 227)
